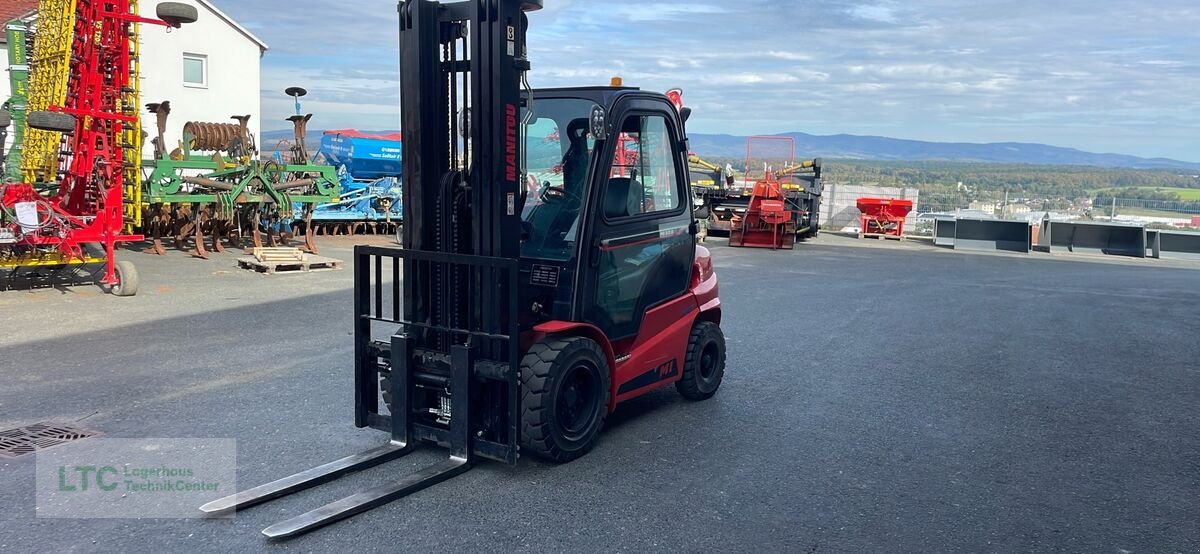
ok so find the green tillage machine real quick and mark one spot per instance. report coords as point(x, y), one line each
point(190, 193)
point(17, 34)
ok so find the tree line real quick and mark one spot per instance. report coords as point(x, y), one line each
point(1019, 180)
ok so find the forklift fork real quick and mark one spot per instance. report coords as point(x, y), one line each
point(463, 370)
point(461, 459)
point(306, 479)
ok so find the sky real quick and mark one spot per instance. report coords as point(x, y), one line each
point(1117, 76)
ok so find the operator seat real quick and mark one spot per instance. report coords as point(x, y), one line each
point(575, 161)
point(553, 225)
point(623, 197)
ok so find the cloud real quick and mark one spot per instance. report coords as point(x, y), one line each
point(662, 11)
point(791, 56)
point(884, 13)
point(1118, 75)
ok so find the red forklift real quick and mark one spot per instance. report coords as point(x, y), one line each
point(517, 317)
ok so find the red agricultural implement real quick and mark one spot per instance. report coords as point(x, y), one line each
point(772, 176)
point(767, 221)
point(883, 217)
point(46, 221)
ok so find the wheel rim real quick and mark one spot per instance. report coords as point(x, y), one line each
point(708, 361)
point(576, 405)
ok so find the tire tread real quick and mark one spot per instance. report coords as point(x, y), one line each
point(689, 385)
point(536, 379)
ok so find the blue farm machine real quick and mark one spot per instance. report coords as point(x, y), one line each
point(368, 168)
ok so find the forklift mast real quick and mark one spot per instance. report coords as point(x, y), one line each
point(460, 89)
point(461, 75)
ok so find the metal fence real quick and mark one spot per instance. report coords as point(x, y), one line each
point(1132, 206)
point(839, 208)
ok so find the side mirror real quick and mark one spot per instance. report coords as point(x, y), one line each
point(685, 113)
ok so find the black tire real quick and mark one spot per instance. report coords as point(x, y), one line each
point(704, 367)
point(52, 121)
point(127, 280)
point(176, 13)
point(5, 118)
point(564, 398)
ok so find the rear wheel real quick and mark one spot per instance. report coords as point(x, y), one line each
point(127, 279)
point(704, 367)
point(564, 397)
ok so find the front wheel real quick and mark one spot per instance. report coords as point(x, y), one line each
point(704, 367)
point(564, 397)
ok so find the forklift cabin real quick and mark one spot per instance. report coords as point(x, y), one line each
point(608, 232)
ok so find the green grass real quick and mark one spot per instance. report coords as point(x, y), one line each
point(1185, 194)
point(1145, 212)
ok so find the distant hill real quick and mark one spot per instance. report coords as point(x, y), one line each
point(890, 149)
point(270, 139)
point(886, 149)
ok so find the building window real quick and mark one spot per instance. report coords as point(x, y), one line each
point(195, 70)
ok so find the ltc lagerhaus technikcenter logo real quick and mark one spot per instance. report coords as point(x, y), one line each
point(134, 478)
point(110, 478)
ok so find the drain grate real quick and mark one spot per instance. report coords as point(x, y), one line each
point(18, 442)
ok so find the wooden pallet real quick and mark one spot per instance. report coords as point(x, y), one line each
point(882, 236)
point(278, 255)
point(309, 264)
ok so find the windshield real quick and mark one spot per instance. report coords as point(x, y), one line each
point(558, 151)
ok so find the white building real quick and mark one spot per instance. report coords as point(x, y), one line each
point(209, 70)
point(986, 207)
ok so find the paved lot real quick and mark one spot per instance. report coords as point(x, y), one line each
point(976, 403)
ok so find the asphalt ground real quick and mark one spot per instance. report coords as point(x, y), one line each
point(879, 397)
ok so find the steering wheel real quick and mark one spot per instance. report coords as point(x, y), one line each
point(554, 194)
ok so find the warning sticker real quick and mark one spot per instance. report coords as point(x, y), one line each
point(544, 275)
